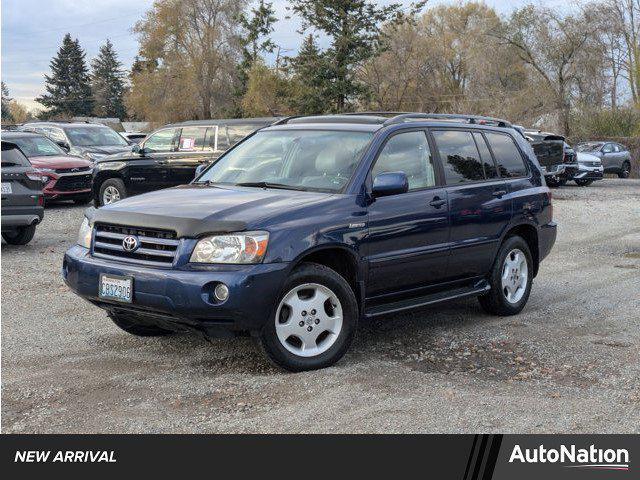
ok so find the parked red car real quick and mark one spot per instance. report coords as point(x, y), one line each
point(65, 177)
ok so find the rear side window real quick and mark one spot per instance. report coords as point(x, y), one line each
point(490, 170)
point(459, 155)
point(409, 153)
point(192, 139)
point(507, 155)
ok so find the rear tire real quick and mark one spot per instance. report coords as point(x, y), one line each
point(510, 279)
point(314, 321)
point(551, 183)
point(625, 171)
point(111, 191)
point(128, 324)
point(583, 183)
point(20, 236)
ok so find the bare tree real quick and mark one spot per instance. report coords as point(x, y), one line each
point(626, 19)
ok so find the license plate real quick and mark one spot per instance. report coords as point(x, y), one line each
point(6, 187)
point(114, 287)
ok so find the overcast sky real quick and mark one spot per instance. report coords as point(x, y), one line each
point(32, 32)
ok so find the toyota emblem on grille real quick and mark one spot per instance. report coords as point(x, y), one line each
point(129, 243)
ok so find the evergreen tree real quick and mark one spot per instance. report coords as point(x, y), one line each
point(107, 83)
point(6, 112)
point(68, 87)
point(311, 79)
point(354, 27)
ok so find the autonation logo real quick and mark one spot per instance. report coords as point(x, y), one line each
point(591, 458)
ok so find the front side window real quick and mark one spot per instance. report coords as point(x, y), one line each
point(507, 155)
point(161, 141)
point(608, 148)
point(38, 147)
point(192, 139)
point(459, 155)
point(56, 134)
point(409, 153)
point(321, 160)
point(95, 137)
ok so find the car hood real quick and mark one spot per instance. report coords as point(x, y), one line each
point(59, 162)
point(108, 150)
point(588, 157)
point(195, 210)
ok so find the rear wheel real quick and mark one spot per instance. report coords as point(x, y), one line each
point(19, 236)
point(583, 183)
point(129, 324)
point(552, 182)
point(510, 279)
point(112, 190)
point(625, 171)
point(314, 322)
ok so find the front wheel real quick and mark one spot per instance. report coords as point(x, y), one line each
point(583, 183)
point(510, 279)
point(625, 171)
point(19, 236)
point(112, 190)
point(314, 322)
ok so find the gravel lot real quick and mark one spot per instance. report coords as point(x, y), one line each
point(569, 363)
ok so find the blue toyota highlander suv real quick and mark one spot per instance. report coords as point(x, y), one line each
point(314, 223)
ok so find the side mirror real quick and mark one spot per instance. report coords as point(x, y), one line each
point(64, 145)
point(137, 149)
point(390, 183)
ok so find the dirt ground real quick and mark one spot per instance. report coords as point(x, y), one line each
point(569, 363)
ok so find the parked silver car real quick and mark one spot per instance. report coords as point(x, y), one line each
point(615, 158)
point(589, 169)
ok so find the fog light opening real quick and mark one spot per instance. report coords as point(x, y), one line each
point(221, 292)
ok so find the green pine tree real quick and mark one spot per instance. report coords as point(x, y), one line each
point(107, 83)
point(6, 113)
point(311, 79)
point(68, 88)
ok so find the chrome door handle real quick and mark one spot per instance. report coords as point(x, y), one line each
point(437, 202)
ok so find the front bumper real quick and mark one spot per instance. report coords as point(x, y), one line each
point(62, 185)
point(588, 172)
point(182, 298)
point(562, 171)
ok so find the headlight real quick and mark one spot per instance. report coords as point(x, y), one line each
point(84, 235)
point(245, 247)
point(94, 156)
point(109, 165)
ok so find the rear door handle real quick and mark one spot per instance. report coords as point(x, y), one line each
point(499, 193)
point(437, 202)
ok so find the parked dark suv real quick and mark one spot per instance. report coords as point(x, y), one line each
point(309, 225)
point(168, 157)
point(22, 198)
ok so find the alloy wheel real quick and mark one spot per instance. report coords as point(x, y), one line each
point(110, 195)
point(515, 276)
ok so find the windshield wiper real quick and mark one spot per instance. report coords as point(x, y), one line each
point(280, 186)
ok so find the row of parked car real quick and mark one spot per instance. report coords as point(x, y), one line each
point(83, 162)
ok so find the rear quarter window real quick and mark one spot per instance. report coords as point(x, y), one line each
point(507, 155)
point(12, 156)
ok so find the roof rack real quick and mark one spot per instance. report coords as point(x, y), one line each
point(473, 119)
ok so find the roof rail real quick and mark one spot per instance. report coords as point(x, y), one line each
point(473, 119)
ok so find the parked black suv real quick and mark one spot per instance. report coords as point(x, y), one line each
point(89, 140)
point(22, 198)
point(309, 225)
point(168, 157)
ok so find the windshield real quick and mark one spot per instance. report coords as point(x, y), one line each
point(319, 160)
point(38, 147)
point(94, 137)
point(589, 147)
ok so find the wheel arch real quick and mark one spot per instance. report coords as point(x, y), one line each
point(529, 233)
point(101, 177)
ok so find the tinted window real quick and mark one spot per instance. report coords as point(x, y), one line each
point(507, 155)
point(192, 139)
point(38, 147)
point(409, 153)
point(460, 157)
point(490, 170)
point(161, 141)
point(12, 157)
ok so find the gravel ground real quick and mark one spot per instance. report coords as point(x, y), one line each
point(569, 363)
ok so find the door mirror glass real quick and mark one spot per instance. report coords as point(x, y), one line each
point(389, 183)
point(63, 145)
point(136, 149)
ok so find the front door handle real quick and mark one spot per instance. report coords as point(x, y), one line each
point(437, 202)
point(499, 193)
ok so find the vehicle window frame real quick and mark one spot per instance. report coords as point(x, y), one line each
point(437, 168)
point(176, 135)
point(204, 137)
point(523, 157)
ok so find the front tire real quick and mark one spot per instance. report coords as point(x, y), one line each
point(510, 279)
point(314, 321)
point(129, 324)
point(583, 183)
point(20, 236)
point(111, 191)
point(625, 171)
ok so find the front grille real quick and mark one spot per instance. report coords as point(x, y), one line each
point(156, 247)
point(73, 183)
point(73, 170)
